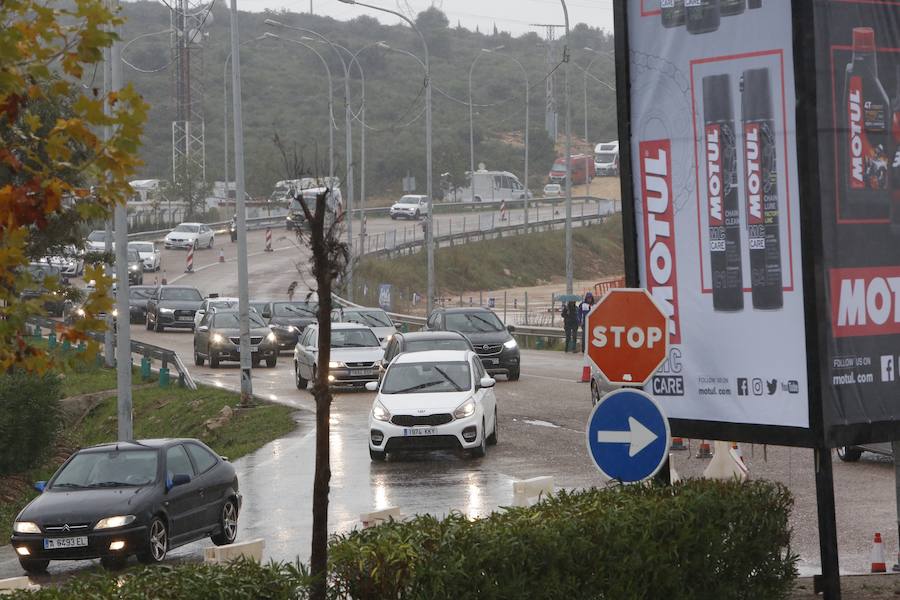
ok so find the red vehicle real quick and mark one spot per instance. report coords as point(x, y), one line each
point(583, 169)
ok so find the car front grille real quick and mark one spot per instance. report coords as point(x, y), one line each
point(484, 349)
point(254, 341)
point(184, 313)
point(412, 420)
point(66, 527)
point(360, 365)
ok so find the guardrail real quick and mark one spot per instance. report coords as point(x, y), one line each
point(218, 227)
point(149, 351)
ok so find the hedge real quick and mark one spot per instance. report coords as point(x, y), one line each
point(698, 539)
point(29, 419)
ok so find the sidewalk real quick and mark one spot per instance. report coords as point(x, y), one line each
point(855, 587)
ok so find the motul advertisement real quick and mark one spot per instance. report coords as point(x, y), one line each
point(858, 79)
point(716, 205)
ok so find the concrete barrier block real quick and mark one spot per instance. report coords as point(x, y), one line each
point(379, 516)
point(526, 489)
point(7, 586)
point(252, 549)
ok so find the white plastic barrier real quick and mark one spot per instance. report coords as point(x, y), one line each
point(379, 516)
point(252, 549)
point(725, 464)
point(526, 489)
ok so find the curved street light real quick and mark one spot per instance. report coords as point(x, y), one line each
point(472, 120)
point(225, 106)
point(570, 267)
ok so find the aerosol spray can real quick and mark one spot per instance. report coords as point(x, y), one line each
point(672, 12)
point(732, 7)
point(754, 3)
point(701, 16)
point(723, 205)
point(866, 122)
point(761, 178)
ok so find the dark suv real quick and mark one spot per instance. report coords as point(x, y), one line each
point(173, 306)
point(493, 342)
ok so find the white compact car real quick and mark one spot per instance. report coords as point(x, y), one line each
point(553, 190)
point(96, 241)
point(410, 207)
point(188, 235)
point(149, 254)
point(355, 359)
point(375, 318)
point(435, 400)
point(213, 303)
point(69, 261)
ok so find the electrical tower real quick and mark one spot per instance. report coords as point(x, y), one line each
point(551, 119)
point(188, 18)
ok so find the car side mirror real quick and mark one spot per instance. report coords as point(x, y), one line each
point(398, 324)
point(179, 479)
point(511, 328)
point(40, 486)
point(266, 314)
point(372, 386)
point(203, 328)
point(487, 382)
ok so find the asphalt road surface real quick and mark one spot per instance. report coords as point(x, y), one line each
point(542, 420)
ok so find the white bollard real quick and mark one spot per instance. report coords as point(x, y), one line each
point(379, 516)
point(725, 464)
point(252, 549)
point(525, 489)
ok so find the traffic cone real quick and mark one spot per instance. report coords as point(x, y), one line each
point(585, 374)
point(221, 255)
point(705, 451)
point(878, 564)
point(678, 444)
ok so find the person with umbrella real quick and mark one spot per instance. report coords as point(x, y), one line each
point(570, 324)
point(583, 309)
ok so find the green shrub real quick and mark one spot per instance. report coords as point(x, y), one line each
point(29, 419)
point(239, 580)
point(700, 539)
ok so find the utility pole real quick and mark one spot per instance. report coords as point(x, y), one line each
point(551, 119)
point(109, 356)
point(570, 267)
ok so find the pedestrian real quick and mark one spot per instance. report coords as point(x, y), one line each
point(291, 289)
point(583, 309)
point(570, 324)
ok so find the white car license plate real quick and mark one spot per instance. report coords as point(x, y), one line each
point(66, 542)
point(252, 349)
point(185, 318)
point(492, 361)
point(361, 372)
point(417, 431)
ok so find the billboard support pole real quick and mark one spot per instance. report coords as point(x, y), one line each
point(829, 582)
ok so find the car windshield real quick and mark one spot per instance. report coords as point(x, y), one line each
point(181, 294)
point(41, 272)
point(133, 256)
point(223, 304)
point(606, 157)
point(479, 322)
point(97, 236)
point(409, 200)
point(187, 229)
point(560, 165)
point(139, 293)
point(108, 469)
point(141, 246)
point(230, 320)
point(353, 338)
point(446, 344)
point(295, 309)
point(370, 318)
point(404, 378)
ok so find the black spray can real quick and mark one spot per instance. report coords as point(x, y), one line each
point(754, 3)
point(722, 202)
point(761, 187)
point(701, 16)
point(672, 12)
point(732, 7)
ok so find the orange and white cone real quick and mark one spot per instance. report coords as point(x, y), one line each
point(586, 372)
point(878, 564)
point(705, 451)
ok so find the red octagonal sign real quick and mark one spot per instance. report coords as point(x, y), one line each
point(628, 336)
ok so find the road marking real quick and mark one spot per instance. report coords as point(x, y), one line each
point(637, 437)
point(230, 260)
point(573, 380)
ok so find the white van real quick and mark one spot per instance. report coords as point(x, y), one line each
point(491, 186)
point(606, 159)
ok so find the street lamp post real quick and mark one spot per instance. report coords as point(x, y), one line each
point(472, 120)
point(570, 267)
point(429, 229)
point(586, 71)
point(225, 108)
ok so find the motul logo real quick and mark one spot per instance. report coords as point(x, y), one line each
point(714, 175)
point(854, 111)
point(659, 230)
point(754, 181)
point(865, 301)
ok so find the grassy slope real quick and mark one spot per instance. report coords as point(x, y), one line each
point(524, 260)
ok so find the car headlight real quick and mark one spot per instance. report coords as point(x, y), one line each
point(115, 312)
point(167, 311)
point(217, 338)
point(510, 344)
point(271, 337)
point(380, 413)
point(135, 267)
point(466, 409)
point(80, 312)
point(336, 365)
point(26, 527)
point(113, 522)
point(291, 328)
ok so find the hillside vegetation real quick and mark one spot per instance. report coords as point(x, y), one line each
point(285, 90)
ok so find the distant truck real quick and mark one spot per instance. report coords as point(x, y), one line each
point(285, 190)
point(606, 158)
point(582, 169)
point(296, 218)
point(491, 186)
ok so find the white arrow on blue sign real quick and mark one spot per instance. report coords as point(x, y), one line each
point(628, 436)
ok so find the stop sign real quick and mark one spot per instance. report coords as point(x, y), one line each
point(628, 336)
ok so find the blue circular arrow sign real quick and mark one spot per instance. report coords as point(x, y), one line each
point(628, 436)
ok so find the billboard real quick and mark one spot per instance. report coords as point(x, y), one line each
point(857, 53)
point(716, 211)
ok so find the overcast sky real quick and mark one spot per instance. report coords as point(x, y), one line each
point(509, 15)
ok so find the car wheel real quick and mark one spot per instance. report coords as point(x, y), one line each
point(481, 450)
point(149, 326)
point(157, 327)
point(228, 521)
point(33, 566)
point(196, 245)
point(211, 240)
point(377, 455)
point(849, 453)
point(513, 374)
point(114, 563)
point(418, 215)
point(255, 362)
point(213, 359)
point(271, 362)
point(157, 543)
point(595, 393)
point(198, 360)
point(494, 437)
point(298, 379)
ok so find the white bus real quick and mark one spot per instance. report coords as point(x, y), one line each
point(606, 158)
point(491, 186)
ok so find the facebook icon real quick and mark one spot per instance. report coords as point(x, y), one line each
point(887, 369)
point(743, 386)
